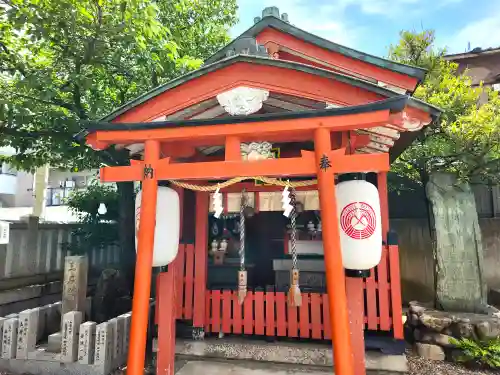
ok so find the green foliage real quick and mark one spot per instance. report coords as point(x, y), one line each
point(95, 230)
point(485, 353)
point(63, 61)
point(465, 141)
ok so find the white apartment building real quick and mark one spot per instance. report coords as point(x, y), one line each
point(17, 192)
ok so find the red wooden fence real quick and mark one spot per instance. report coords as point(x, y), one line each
point(267, 313)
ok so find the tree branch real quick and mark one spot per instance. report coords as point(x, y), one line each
point(55, 102)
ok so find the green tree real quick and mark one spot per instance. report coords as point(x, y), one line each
point(94, 230)
point(465, 141)
point(64, 61)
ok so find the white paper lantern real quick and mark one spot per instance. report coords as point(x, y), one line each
point(358, 206)
point(167, 228)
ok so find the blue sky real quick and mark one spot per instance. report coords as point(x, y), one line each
point(372, 25)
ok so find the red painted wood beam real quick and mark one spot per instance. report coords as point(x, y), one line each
point(302, 166)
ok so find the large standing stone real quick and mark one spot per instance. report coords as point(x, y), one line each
point(69, 342)
point(460, 285)
point(103, 352)
point(9, 340)
point(432, 352)
point(86, 343)
point(74, 297)
point(27, 332)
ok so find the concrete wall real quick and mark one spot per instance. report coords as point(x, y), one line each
point(417, 259)
point(18, 259)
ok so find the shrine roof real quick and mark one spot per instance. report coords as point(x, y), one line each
point(394, 105)
point(271, 21)
point(217, 65)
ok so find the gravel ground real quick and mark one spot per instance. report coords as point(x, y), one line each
point(421, 366)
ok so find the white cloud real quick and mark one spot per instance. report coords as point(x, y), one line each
point(483, 33)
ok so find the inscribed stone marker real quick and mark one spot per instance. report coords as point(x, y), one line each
point(74, 295)
point(102, 348)
point(27, 332)
point(114, 335)
point(9, 339)
point(120, 332)
point(126, 333)
point(69, 342)
point(86, 344)
point(2, 321)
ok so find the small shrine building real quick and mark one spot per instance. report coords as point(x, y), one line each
point(277, 111)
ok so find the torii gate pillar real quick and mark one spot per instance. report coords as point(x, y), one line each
point(335, 279)
point(144, 262)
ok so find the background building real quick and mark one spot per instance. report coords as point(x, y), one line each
point(18, 191)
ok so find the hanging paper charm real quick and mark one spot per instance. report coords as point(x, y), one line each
point(285, 200)
point(217, 203)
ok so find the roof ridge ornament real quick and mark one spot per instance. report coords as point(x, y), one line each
point(247, 46)
point(242, 100)
point(272, 12)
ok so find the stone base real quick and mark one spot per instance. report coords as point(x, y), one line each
point(433, 332)
point(280, 352)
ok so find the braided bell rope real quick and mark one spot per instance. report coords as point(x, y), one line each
point(235, 180)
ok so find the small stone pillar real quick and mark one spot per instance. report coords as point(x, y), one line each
point(126, 334)
point(70, 333)
point(9, 340)
point(27, 332)
point(120, 331)
point(74, 296)
point(86, 344)
point(103, 350)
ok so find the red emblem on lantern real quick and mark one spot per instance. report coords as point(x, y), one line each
point(358, 220)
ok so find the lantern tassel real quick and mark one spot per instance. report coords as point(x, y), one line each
point(242, 286)
point(294, 294)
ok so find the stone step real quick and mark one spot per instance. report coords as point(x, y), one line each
point(289, 353)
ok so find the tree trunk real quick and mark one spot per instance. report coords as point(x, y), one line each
point(127, 229)
point(458, 248)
